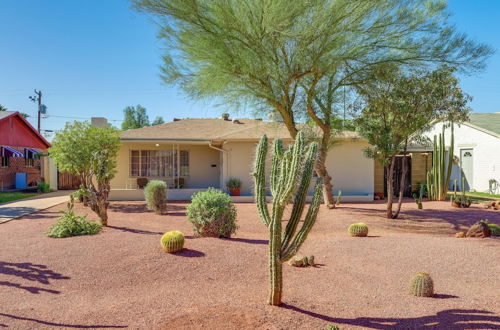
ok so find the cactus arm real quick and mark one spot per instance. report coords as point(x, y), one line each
point(260, 181)
point(275, 165)
point(450, 161)
point(297, 152)
point(292, 248)
point(300, 196)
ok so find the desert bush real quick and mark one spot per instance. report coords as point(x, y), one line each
point(155, 193)
point(332, 327)
point(421, 285)
point(495, 229)
point(43, 187)
point(212, 213)
point(70, 224)
point(172, 241)
point(358, 229)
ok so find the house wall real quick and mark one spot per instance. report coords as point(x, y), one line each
point(17, 165)
point(351, 171)
point(486, 157)
point(201, 159)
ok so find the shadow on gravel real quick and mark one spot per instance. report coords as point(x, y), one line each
point(246, 240)
point(188, 253)
point(53, 324)
point(30, 272)
point(447, 319)
point(136, 231)
point(174, 210)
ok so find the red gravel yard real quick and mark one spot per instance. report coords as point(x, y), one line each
point(121, 278)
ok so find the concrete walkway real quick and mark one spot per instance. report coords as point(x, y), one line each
point(16, 209)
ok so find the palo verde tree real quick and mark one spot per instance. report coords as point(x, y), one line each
point(290, 177)
point(398, 108)
point(269, 55)
point(90, 153)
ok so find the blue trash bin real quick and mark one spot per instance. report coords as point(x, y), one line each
point(21, 180)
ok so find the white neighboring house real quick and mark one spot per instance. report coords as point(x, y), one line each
point(477, 149)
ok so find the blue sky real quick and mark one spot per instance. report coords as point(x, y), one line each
point(95, 57)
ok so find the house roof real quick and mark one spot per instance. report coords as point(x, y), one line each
point(209, 129)
point(486, 121)
point(16, 131)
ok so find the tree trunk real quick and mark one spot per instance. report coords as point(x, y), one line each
point(327, 179)
point(401, 187)
point(390, 182)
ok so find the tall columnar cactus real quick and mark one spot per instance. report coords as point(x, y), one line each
point(438, 178)
point(290, 177)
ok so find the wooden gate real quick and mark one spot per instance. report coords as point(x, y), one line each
point(67, 181)
point(398, 173)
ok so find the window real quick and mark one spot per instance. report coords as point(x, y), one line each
point(5, 161)
point(29, 157)
point(159, 163)
point(4, 156)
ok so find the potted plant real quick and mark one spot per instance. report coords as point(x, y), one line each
point(234, 185)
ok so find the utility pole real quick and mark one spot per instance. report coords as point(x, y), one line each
point(38, 98)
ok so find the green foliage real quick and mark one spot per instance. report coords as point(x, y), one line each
point(421, 285)
point(400, 107)
point(233, 183)
point(70, 224)
point(495, 229)
point(43, 187)
point(155, 193)
point(339, 198)
point(90, 153)
point(158, 120)
point(134, 117)
point(332, 327)
point(290, 177)
point(212, 213)
point(358, 229)
point(172, 241)
point(461, 200)
point(12, 196)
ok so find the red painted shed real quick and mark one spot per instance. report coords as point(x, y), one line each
point(15, 131)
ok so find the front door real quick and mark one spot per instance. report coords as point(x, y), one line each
point(466, 161)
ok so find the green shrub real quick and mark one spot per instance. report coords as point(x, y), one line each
point(70, 224)
point(495, 229)
point(421, 285)
point(155, 193)
point(332, 327)
point(43, 187)
point(172, 241)
point(358, 229)
point(212, 213)
point(233, 183)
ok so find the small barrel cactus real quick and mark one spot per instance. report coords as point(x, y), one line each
point(421, 285)
point(495, 229)
point(172, 241)
point(358, 229)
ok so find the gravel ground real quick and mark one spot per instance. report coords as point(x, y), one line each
point(121, 277)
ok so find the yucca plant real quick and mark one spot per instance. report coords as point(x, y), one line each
point(290, 177)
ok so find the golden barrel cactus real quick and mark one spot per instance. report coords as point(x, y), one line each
point(358, 229)
point(421, 285)
point(172, 241)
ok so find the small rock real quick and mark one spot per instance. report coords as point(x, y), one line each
point(479, 229)
point(460, 234)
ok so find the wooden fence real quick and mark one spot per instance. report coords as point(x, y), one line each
point(67, 181)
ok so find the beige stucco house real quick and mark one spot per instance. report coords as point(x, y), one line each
point(194, 154)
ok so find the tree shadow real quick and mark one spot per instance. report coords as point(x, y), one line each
point(16, 211)
point(30, 289)
point(173, 210)
point(247, 240)
point(30, 272)
point(447, 319)
point(54, 324)
point(443, 296)
point(136, 231)
point(189, 253)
